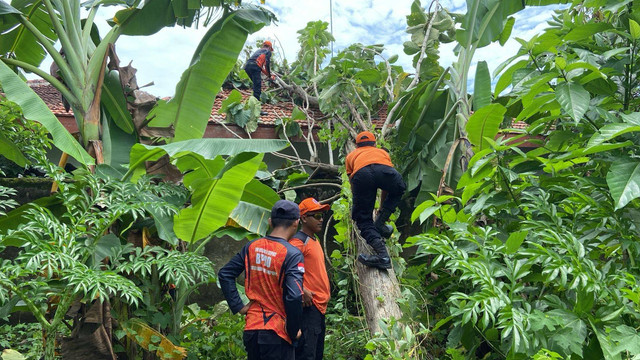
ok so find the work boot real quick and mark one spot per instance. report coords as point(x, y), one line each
point(383, 229)
point(380, 260)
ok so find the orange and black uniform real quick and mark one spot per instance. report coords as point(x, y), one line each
point(316, 280)
point(259, 61)
point(369, 169)
point(273, 281)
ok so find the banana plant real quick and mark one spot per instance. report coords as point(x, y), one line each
point(436, 114)
point(89, 82)
point(219, 174)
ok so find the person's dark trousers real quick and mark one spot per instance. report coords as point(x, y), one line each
point(364, 187)
point(255, 74)
point(267, 345)
point(311, 344)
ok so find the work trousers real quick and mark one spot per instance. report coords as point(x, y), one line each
point(364, 187)
point(255, 74)
point(311, 346)
point(267, 345)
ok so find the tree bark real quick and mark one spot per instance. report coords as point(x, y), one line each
point(297, 90)
point(379, 289)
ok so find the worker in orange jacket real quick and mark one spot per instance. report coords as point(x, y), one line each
point(273, 283)
point(369, 169)
point(316, 290)
point(259, 62)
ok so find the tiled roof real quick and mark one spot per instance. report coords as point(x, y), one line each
point(519, 125)
point(50, 95)
point(282, 110)
point(274, 111)
point(52, 98)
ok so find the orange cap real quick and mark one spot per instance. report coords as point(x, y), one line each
point(311, 205)
point(365, 136)
point(268, 43)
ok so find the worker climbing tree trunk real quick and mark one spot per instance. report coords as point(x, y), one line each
point(369, 169)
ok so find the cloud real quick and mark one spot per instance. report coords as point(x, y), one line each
point(163, 57)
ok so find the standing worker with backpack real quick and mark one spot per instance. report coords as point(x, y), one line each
point(369, 169)
point(259, 62)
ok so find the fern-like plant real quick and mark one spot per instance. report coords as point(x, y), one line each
point(76, 249)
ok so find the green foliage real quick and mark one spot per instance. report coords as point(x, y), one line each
point(22, 141)
point(354, 75)
point(245, 114)
point(25, 338)
point(6, 202)
point(237, 78)
point(19, 92)
point(21, 44)
point(189, 110)
point(288, 127)
point(224, 189)
point(442, 30)
point(484, 124)
point(63, 251)
point(213, 333)
point(397, 341)
point(314, 42)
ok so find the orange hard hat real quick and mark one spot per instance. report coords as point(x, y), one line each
point(268, 43)
point(365, 136)
point(312, 205)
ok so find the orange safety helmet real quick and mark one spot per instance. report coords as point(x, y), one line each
point(365, 136)
point(268, 43)
point(312, 205)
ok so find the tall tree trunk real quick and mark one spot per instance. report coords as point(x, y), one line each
point(379, 289)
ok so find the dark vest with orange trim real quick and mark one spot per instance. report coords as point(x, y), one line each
point(273, 281)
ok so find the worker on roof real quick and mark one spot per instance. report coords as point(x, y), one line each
point(369, 169)
point(259, 62)
point(273, 283)
point(316, 290)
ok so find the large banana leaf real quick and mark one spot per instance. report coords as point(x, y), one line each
point(482, 86)
point(207, 148)
point(35, 109)
point(190, 108)
point(255, 207)
point(116, 142)
point(485, 123)
point(485, 20)
point(147, 20)
point(114, 102)
point(213, 201)
point(19, 41)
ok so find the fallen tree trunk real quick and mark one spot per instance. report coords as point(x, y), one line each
point(379, 289)
point(297, 90)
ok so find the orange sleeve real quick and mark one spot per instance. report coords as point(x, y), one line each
point(349, 164)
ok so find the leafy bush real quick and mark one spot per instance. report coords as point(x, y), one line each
point(556, 271)
point(213, 334)
point(25, 338)
point(27, 137)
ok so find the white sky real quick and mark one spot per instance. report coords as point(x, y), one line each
point(163, 57)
